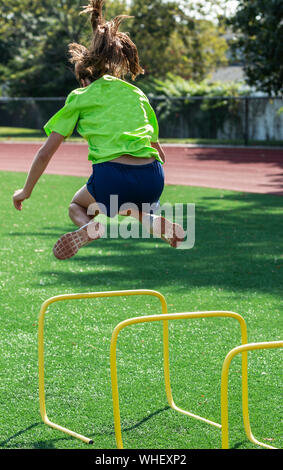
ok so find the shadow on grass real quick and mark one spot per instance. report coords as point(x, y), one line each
point(52, 232)
point(19, 433)
point(238, 246)
point(50, 444)
point(239, 445)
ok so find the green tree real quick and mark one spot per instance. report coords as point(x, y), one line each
point(169, 39)
point(259, 28)
point(201, 49)
point(151, 28)
point(34, 36)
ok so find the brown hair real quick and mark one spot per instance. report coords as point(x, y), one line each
point(110, 52)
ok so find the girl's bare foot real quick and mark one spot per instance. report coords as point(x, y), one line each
point(69, 244)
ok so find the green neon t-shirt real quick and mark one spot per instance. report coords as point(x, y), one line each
point(114, 117)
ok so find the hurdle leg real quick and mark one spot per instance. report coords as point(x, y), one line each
point(224, 392)
point(42, 404)
point(166, 362)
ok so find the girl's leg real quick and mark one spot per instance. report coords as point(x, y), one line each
point(69, 243)
point(159, 226)
point(78, 208)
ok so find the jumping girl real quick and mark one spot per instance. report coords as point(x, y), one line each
point(121, 129)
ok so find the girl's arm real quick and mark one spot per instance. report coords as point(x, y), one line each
point(158, 147)
point(40, 162)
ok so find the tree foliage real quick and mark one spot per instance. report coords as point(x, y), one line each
point(34, 35)
point(171, 40)
point(259, 28)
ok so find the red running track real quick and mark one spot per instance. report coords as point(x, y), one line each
point(256, 170)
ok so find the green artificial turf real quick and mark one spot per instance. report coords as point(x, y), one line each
point(236, 264)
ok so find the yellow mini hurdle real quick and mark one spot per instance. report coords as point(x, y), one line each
point(224, 392)
point(43, 309)
point(243, 349)
point(165, 318)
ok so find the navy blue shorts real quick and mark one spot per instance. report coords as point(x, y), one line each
point(114, 184)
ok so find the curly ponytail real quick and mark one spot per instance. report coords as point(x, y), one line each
point(110, 51)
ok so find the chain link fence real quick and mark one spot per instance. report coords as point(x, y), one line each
point(241, 119)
